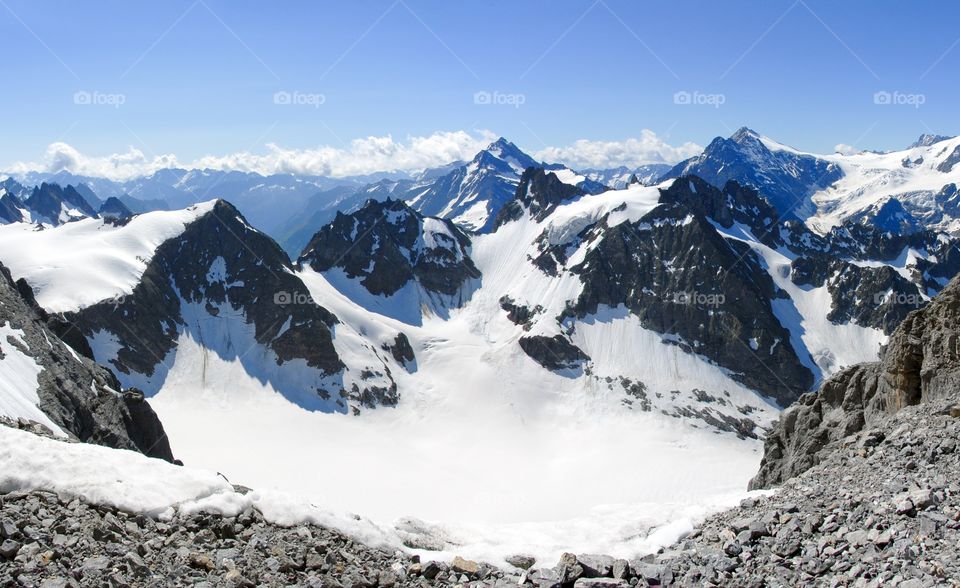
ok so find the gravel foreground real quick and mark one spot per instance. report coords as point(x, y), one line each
point(882, 508)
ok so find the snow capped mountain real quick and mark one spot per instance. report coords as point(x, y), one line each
point(826, 190)
point(472, 194)
point(269, 202)
point(786, 177)
point(711, 274)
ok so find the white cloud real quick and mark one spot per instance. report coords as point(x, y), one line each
point(118, 166)
point(844, 149)
point(362, 156)
point(648, 148)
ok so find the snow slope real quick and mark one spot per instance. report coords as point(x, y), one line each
point(89, 260)
point(870, 178)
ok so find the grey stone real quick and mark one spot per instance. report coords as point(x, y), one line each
point(9, 548)
point(524, 562)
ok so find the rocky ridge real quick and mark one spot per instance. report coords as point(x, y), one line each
point(80, 397)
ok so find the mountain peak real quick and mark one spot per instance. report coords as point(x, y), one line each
point(504, 149)
point(928, 139)
point(745, 134)
point(501, 143)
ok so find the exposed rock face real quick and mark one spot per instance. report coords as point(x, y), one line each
point(553, 353)
point(52, 204)
point(388, 245)
point(850, 262)
point(921, 363)
point(82, 398)
point(880, 509)
point(519, 314)
point(11, 209)
point(681, 277)
point(539, 194)
point(946, 166)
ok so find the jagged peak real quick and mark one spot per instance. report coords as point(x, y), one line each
point(745, 134)
point(928, 139)
point(504, 150)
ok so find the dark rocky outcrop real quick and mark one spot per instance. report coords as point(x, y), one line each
point(554, 353)
point(11, 209)
point(946, 166)
point(519, 314)
point(82, 398)
point(402, 351)
point(387, 245)
point(539, 193)
point(50, 203)
point(921, 363)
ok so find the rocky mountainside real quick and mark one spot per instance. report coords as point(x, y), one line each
point(113, 208)
point(47, 380)
point(881, 508)
point(920, 364)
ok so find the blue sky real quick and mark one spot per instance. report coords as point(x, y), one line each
point(200, 77)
